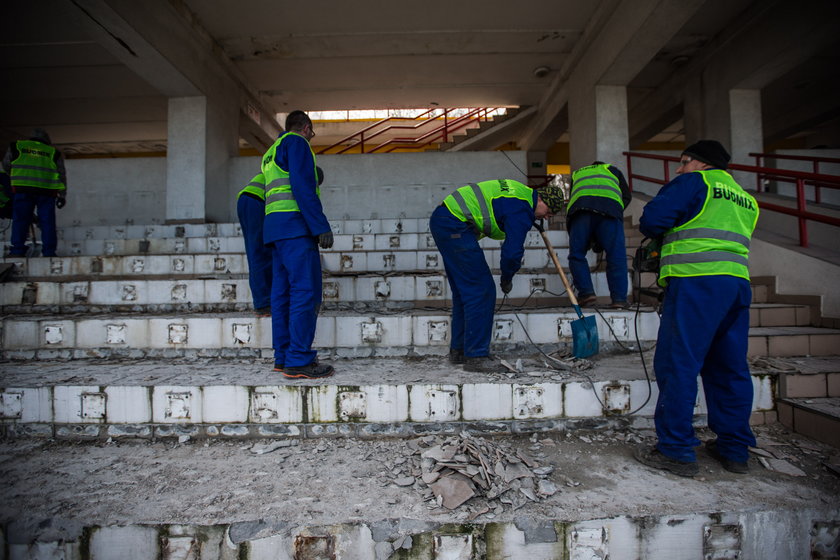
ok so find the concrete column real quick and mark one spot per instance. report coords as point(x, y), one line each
point(186, 159)
point(746, 134)
point(201, 139)
point(598, 125)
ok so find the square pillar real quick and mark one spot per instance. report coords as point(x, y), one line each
point(202, 136)
point(598, 127)
point(746, 131)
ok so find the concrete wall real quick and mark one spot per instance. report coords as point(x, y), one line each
point(133, 190)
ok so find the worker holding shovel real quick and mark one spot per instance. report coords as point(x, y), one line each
point(501, 209)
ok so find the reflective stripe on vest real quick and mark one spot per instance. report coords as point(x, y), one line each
point(717, 240)
point(256, 187)
point(473, 204)
point(595, 180)
point(35, 166)
point(278, 188)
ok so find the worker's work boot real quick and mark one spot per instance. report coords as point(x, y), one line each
point(311, 371)
point(456, 356)
point(728, 464)
point(587, 300)
point(652, 457)
point(483, 364)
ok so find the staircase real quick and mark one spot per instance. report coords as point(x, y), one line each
point(138, 354)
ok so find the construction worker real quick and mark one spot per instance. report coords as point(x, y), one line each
point(500, 209)
point(295, 225)
point(706, 221)
point(250, 208)
point(39, 181)
point(595, 218)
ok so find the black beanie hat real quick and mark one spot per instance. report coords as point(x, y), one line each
point(553, 198)
point(709, 151)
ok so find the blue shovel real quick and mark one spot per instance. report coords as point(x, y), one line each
point(584, 330)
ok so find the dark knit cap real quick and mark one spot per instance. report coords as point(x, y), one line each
point(553, 198)
point(709, 151)
point(319, 175)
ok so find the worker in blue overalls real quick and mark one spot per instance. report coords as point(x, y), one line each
point(250, 208)
point(500, 209)
point(295, 226)
point(706, 221)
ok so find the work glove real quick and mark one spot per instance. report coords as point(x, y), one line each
point(325, 240)
point(506, 285)
point(60, 202)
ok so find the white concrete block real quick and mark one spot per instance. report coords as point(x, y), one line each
point(581, 401)
point(173, 404)
point(12, 293)
point(240, 332)
point(75, 293)
point(49, 293)
point(57, 334)
point(134, 542)
point(762, 393)
point(431, 288)
point(321, 403)
point(434, 403)
point(52, 550)
point(28, 404)
point(676, 537)
point(276, 404)
point(542, 400)
point(226, 291)
point(509, 542)
point(225, 403)
point(275, 547)
point(542, 327)
point(386, 403)
point(640, 390)
point(129, 405)
point(339, 289)
point(487, 401)
point(454, 547)
point(20, 334)
point(325, 333)
point(588, 540)
point(78, 404)
point(430, 330)
point(429, 260)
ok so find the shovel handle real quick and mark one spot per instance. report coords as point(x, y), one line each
point(559, 268)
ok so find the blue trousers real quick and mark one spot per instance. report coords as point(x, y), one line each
point(295, 300)
point(251, 214)
point(607, 232)
point(470, 281)
point(704, 330)
point(22, 214)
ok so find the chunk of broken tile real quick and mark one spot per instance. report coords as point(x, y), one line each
point(453, 490)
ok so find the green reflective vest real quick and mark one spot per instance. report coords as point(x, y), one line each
point(595, 180)
point(35, 167)
point(473, 203)
point(256, 187)
point(717, 240)
point(278, 188)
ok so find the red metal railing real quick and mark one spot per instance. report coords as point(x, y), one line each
point(802, 214)
point(815, 166)
point(441, 132)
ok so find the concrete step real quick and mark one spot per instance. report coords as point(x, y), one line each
point(339, 498)
point(225, 291)
point(779, 315)
point(815, 417)
point(341, 333)
point(239, 398)
point(385, 242)
point(794, 341)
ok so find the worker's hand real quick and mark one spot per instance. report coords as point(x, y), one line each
point(506, 285)
point(325, 240)
point(60, 202)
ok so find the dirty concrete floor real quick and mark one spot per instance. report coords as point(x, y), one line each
point(356, 371)
point(325, 481)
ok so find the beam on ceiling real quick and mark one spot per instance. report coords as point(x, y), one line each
point(161, 41)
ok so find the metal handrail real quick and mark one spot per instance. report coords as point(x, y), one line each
point(443, 130)
point(815, 160)
point(799, 177)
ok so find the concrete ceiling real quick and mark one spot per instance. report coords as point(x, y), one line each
point(97, 73)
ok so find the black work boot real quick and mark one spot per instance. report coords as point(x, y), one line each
point(483, 364)
point(652, 457)
point(456, 356)
point(728, 464)
point(311, 371)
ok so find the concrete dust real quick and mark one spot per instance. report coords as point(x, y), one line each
point(326, 481)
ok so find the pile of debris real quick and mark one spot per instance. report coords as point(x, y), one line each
point(461, 467)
